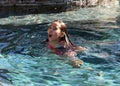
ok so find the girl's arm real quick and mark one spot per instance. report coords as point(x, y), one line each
point(73, 60)
point(79, 49)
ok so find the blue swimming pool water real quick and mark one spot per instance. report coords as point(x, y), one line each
point(30, 64)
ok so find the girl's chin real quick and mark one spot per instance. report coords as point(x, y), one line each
point(52, 39)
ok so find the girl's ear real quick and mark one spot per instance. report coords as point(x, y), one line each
point(62, 34)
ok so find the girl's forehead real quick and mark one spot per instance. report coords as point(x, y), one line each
point(55, 24)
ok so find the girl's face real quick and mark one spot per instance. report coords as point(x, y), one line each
point(54, 32)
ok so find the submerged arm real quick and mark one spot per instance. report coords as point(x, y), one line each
point(73, 60)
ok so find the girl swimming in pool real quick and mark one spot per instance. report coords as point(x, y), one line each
point(58, 41)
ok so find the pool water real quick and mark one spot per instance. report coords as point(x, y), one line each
point(25, 61)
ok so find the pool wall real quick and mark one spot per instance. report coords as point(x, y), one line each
point(47, 6)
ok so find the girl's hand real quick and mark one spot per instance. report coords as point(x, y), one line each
point(79, 49)
point(71, 53)
point(76, 63)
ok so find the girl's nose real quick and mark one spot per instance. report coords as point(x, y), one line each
point(51, 30)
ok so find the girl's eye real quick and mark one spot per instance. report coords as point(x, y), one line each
point(54, 28)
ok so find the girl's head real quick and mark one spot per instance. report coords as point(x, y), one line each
point(58, 32)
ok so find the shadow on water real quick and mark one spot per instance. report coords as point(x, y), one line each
point(100, 37)
point(26, 39)
point(4, 77)
point(11, 36)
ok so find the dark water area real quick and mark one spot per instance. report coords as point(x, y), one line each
point(25, 61)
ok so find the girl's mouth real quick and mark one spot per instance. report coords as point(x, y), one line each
point(50, 35)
